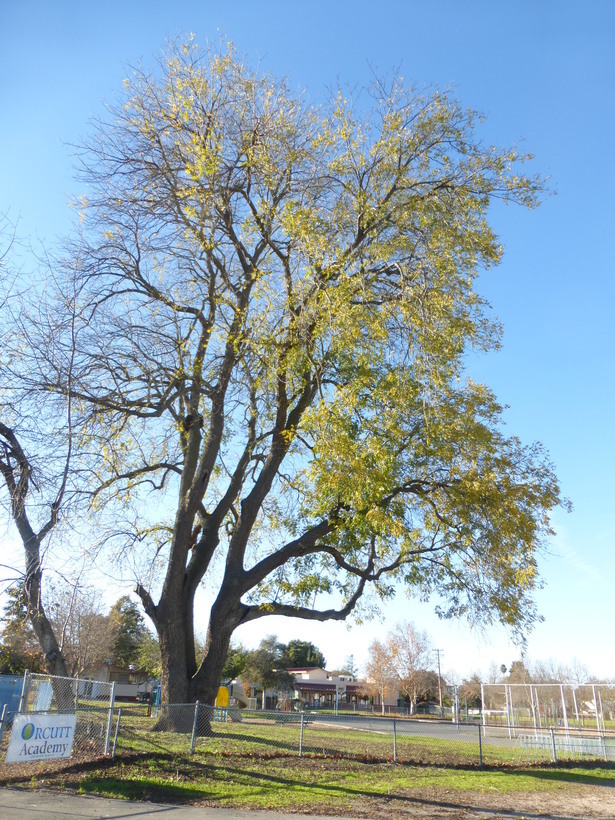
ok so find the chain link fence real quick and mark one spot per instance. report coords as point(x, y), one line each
point(92, 702)
point(189, 728)
point(48, 693)
point(103, 727)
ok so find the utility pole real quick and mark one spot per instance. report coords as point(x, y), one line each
point(438, 651)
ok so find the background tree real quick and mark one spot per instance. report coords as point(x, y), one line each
point(264, 666)
point(430, 686)
point(496, 672)
point(85, 633)
point(19, 647)
point(128, 632)
point(471, 690)
point(411, 654)
point(518, 672)
point(350, 667)
point(148, 658)
point(551, 671)
point(271, 299)
point(381, 678)
point(302, 653)
point(235, 662)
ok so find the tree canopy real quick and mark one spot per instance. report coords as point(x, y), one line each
point(128, 632)
point(412, 657)
point(381, 678)
point(19, 647)
point(272, 306)
point(401, 665)
point(265, 666)
point(302, 653)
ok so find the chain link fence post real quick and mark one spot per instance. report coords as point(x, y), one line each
point(117, 731)
point(23, 692)
point(301, 737)
point(480, 747)
point(394, 741)
point(553, 745)
point(110, 719)
point(2, 721)
point(194, 725)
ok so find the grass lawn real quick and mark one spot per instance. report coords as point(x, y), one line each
point(321, 784)
point(256, 765)
point(327, 785)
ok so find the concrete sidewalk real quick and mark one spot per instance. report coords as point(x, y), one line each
point(16, 804)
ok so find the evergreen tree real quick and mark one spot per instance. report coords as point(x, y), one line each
point(129, 632)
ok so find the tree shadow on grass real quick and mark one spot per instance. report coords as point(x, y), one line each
point(248, 739)
point(579, 778)
point(153, 789)
point(173, 742)
point(183, 779)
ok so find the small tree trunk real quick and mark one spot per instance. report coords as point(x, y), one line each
point(62, 686)
point(43, 629)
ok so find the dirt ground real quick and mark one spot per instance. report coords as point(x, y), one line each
point(584, 803)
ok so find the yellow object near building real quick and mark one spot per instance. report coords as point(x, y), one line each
point(222, 698)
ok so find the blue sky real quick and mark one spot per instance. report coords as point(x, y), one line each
point(543, 73)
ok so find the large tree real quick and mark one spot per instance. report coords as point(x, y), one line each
point(275, 303)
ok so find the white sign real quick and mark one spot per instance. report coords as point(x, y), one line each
point(41, 737)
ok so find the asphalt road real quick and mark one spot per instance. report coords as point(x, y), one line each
point(444, 730)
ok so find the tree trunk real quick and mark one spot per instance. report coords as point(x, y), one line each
point(62, 685)
point(174, 683)
point(178, 685)
point(223, 620)
point(43, 630)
